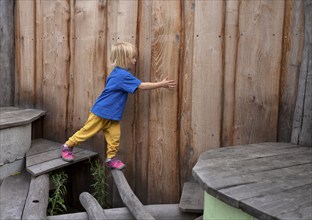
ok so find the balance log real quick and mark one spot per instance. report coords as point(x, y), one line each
point(129, 199)
point(160, 212)
point(91, 205)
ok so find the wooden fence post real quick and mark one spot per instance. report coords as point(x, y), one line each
point(302, 124)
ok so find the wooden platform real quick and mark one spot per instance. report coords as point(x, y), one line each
point(45, 156)
point(192, 198)
point(13, 116)
point(268, 181)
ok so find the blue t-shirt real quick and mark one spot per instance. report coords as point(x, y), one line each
point(111, 103)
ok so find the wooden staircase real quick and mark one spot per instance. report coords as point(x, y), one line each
point(24, 195)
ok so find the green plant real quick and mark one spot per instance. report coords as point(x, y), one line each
point(100, 186)
point(56, 204)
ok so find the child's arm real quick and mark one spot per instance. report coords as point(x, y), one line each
point(165, 83)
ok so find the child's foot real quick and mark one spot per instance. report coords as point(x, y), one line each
point(67, 153)
point(116, 164)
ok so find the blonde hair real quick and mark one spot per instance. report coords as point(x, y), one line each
point(121, 53)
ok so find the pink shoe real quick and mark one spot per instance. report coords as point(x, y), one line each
point(116, 164)
point(67, 153)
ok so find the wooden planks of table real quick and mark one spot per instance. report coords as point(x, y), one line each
point(267, 180)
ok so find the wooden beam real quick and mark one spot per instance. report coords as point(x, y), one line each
point(37, 199)
point(130, 200)
point(92, 206)
point(160, 212)
point(13, 193)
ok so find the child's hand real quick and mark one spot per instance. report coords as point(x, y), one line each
point(169, 84)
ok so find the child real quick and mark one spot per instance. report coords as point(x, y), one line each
point(108, 109)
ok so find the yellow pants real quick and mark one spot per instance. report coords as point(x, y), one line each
point(94, 124)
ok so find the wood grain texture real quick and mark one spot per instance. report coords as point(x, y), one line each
point(192, 198)
point(269, 180)
point(291, 58)
point(258, 71)
point(122, 26)
point(45, 156)
point(128, 197)
point(13, 117)
point(235, 69)
point(55, 58)
point(142, 100)
point(92, 206)
point(38, 55)
point(37, 199)
point(230, 61)
point(7, 54)
point(185, 92)
point(302, 124)
point(25, 54)
point(14, 190)
point(163, 150)
point(161, 212)
point(87, 75)
point(207, 77)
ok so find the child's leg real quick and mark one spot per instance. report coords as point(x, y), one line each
point(93, 125)
point(112, 136)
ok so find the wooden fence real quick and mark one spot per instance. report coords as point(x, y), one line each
point(236, 63)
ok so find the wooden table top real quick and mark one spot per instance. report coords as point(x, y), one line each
point(267, 180)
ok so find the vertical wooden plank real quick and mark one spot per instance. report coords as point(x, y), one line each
point(85, 58)
point(38, 55)
point(291, 52)
point(207, 76)
point(142, 100)
point(230, 50)
point(7, 67)
point(126, 31)
point(185, 98)
point(25, 54)
point(112, 20)
point(122, 26)
point(302, 125)
point(55, 58)
point(71, 42)
point(87, 69)
point(163, 179)
point(258, 71)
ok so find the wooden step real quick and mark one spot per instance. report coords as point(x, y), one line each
point(16, 126)
point(14, 191)
point(13, 116)
point(45, 156)
point(192, 199)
